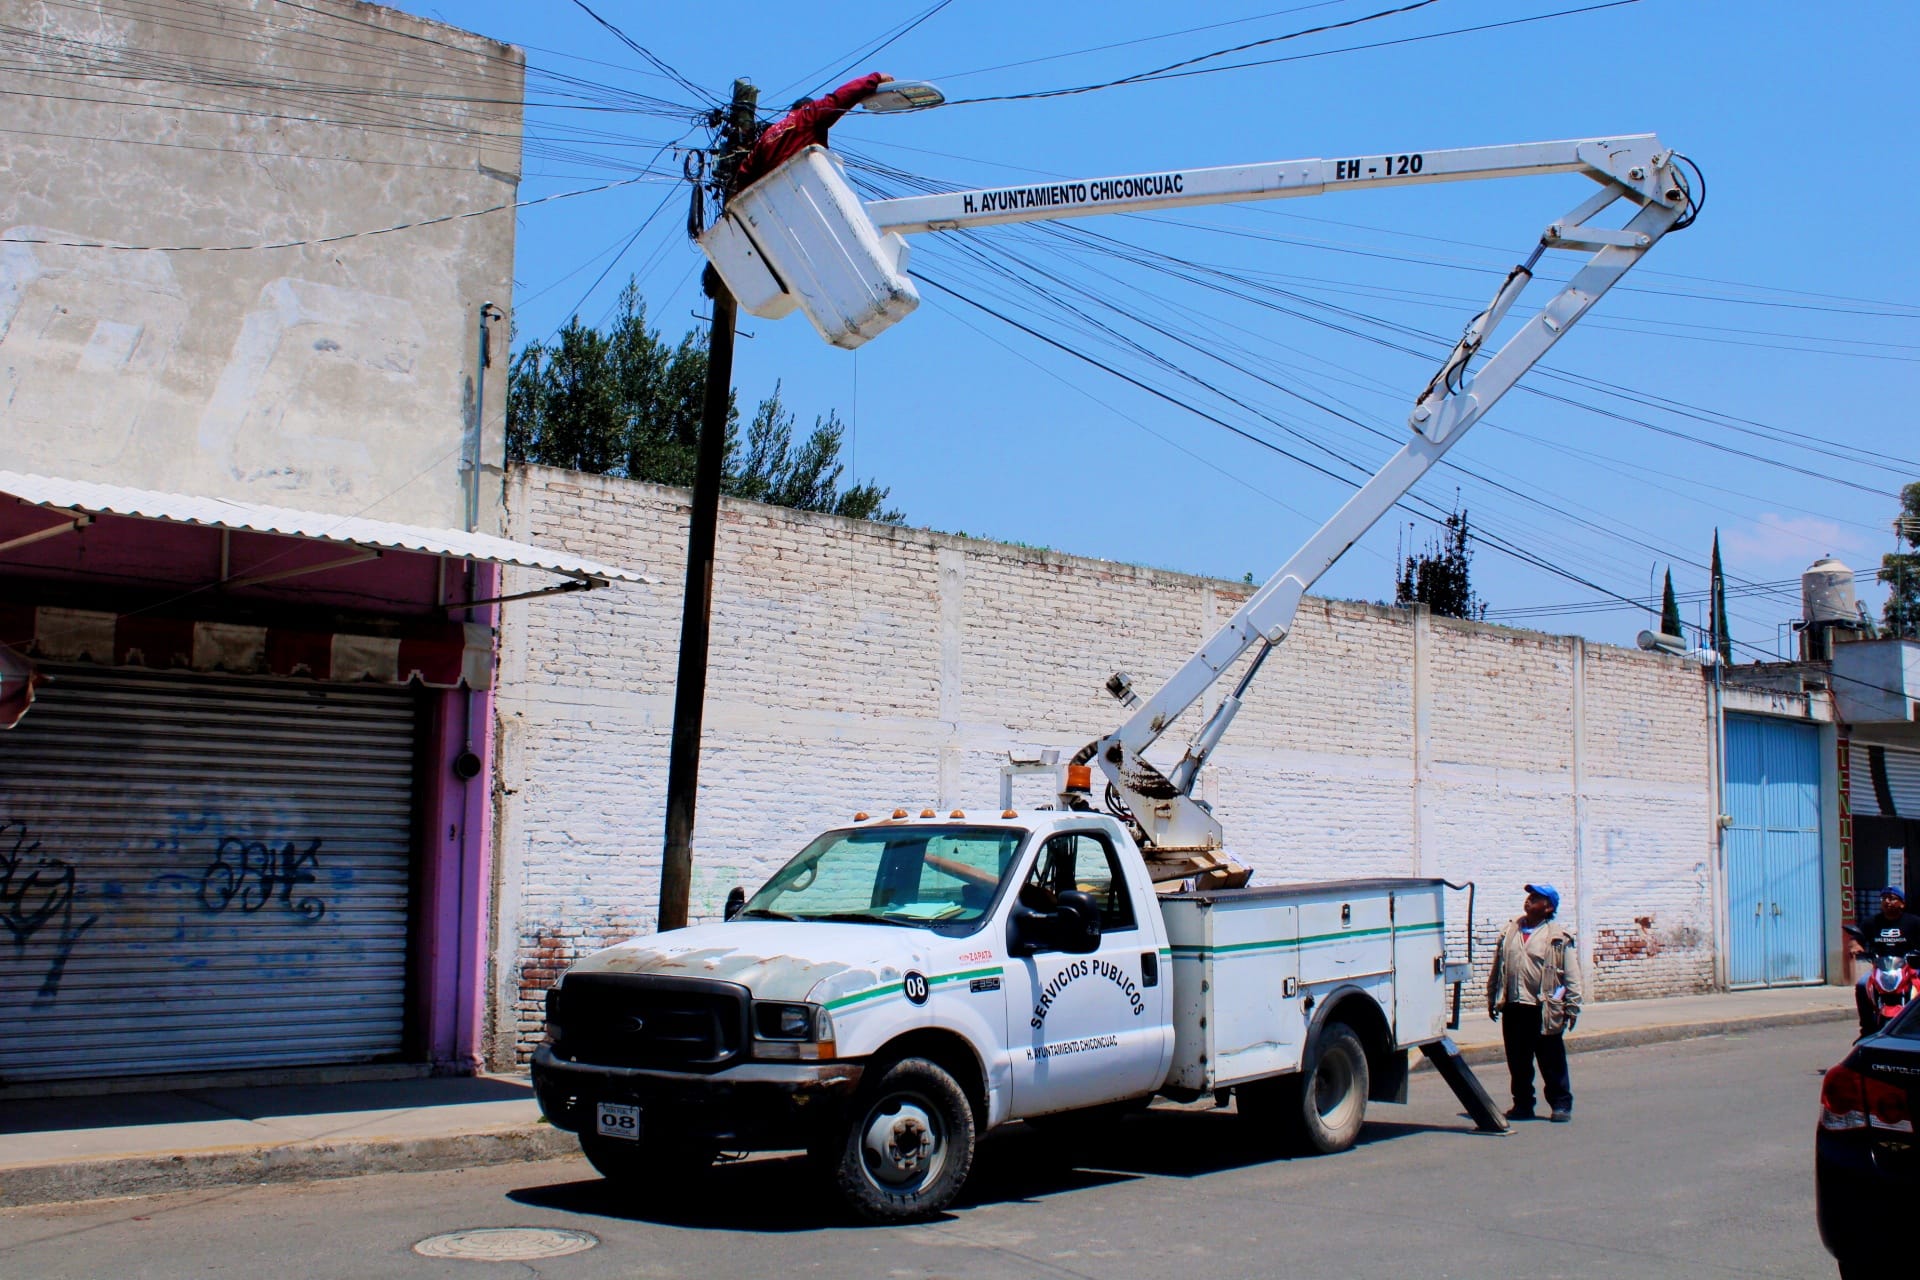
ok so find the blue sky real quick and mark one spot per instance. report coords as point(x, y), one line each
point(1757, 378)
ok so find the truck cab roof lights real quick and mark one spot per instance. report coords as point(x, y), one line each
point(899, 813)
point(860, 817)
point(1008, 813)
point(958, 813)
point(928, 813)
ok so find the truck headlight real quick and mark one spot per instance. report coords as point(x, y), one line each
point(791, 1031)
point(782, 1021)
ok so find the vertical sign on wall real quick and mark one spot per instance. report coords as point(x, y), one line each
point(1847, 914)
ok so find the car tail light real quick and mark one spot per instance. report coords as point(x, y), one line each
point(1851, 1100)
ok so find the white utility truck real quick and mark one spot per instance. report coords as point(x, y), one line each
point(912, 980)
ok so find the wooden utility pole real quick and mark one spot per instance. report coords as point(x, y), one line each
point(690, 688)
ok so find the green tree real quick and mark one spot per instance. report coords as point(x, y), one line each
point(773, 469)
point(1900, 570)
point(1439, 576)
point(626, 403)
point(1669, 609)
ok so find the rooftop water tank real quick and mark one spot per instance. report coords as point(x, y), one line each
point(1826, 594)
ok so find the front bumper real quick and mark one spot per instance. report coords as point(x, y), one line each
point(757, 1106)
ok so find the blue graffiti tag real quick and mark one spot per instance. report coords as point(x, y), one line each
point(247, 873)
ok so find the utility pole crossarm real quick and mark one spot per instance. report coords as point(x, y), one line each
point(1605, 159)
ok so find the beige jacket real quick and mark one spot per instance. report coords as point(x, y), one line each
point(1543, 969)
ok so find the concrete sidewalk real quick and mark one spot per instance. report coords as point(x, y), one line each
point(84, 1148)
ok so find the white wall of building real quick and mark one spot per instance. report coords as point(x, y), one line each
point(335, 377)
point(858, 666)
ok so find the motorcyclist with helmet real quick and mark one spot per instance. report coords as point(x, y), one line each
point(1895, 931)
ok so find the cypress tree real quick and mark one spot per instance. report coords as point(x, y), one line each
point(1669, 609)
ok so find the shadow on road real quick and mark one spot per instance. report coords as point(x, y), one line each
point(1020, 1165)
point(251, 1102)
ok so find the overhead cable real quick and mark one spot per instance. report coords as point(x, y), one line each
point(648, 54)
point(347, 235)
point(1181, 70)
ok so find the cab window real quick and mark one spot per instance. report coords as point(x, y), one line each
point(1081, 860)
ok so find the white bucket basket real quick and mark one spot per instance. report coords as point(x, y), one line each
point(800, 237)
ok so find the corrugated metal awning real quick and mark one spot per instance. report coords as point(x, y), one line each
point(92, 498)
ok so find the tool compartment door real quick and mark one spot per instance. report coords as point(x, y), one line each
point(1257, 1024)
point(1420, 1009)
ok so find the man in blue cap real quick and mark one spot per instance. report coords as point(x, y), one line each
point(1535, 983)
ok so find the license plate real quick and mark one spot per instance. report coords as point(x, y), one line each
point(615, 1120)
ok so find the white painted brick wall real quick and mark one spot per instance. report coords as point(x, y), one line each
point(859, 666)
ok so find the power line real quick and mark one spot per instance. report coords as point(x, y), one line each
point(1167, 71)
point(860, 53)
point(1490, 540)
point(1171, 74)
point(1493, 540)
point(348, 235)
point(1892, 309)
point(648, 54)
point(637, 232)
point(1124, 44)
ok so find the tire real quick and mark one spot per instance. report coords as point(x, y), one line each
point(663, 1169)
point(903, 1149)
point(1322, 1108)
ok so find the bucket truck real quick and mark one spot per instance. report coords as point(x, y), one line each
point(911, 980)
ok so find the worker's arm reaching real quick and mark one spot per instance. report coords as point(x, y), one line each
point(805, 126)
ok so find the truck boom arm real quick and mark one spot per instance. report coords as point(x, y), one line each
point(1623, 161)
point(798, 241)
point(1451, 404)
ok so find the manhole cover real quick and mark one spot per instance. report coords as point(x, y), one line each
point(505, 1244)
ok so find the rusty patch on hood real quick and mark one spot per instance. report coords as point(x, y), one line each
point(768, 977)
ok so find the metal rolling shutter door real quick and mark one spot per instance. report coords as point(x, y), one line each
point(201, 873)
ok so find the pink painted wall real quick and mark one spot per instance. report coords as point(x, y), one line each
point(456, 866)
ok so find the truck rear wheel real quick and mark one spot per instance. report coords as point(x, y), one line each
point(1321, 1108)
point(905, 1146)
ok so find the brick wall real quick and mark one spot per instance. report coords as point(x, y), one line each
point(860, 666)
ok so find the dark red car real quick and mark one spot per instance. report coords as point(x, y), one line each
point(1866, 1165)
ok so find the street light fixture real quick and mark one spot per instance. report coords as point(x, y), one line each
point(904, 95)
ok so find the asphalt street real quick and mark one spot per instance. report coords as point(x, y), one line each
point(1688, 1159)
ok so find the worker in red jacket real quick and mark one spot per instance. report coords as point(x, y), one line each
point(805, 126)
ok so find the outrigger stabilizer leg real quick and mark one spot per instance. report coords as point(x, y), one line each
point(1444, 1054)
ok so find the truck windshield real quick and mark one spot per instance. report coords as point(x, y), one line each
point(942, 878)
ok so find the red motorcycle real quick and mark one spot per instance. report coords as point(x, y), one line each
point(1892, 982)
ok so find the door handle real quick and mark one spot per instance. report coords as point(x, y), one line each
point(1149, 968)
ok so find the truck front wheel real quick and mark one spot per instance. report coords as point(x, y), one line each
point(904, 1147)
point(1323, 1107)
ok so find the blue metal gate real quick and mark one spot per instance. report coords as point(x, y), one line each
point(1774, 900)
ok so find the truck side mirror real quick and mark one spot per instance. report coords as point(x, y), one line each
point(736, 902)
point(1072, 925)
point(1078, 922)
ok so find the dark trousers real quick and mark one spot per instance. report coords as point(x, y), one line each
point(1863, 1001)
point(1520, 1027)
